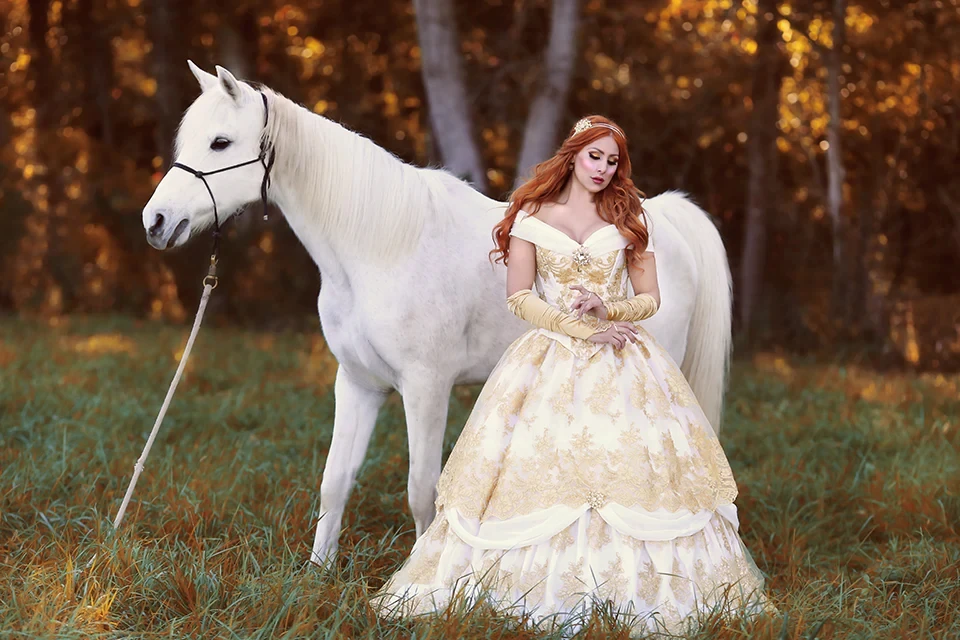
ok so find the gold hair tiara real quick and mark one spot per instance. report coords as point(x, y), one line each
point(584, 123)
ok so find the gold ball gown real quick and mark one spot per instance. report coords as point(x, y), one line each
point(585, 474)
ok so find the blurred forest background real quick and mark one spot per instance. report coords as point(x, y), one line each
point(823, 136)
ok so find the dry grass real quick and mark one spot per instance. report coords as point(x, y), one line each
point(849, 480)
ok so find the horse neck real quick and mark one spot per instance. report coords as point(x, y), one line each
point(348, 200)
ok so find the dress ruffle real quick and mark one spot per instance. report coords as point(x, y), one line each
point(656, 584)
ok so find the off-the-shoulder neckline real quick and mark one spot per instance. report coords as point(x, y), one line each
point(555, 230)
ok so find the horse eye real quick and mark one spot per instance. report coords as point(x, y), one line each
point(219, 143)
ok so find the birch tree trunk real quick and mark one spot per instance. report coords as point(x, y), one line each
point(761, 154)
point(836, 172)
point(549, 105)
point(443, 79)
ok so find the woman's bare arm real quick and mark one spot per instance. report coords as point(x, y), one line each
point(644, 276)
point(522, 265)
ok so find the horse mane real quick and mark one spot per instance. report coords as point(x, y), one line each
point(349, 187)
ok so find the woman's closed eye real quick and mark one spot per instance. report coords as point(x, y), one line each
point(612, 161)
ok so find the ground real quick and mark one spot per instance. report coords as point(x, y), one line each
point(849, 492)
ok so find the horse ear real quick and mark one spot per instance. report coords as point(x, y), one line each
point(229, 84)
point(205, 79)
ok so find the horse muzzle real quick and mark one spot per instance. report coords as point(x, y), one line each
point(163, 233)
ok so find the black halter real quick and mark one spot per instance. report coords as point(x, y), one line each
point(263, 159)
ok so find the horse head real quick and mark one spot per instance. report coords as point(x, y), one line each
point(221, 161)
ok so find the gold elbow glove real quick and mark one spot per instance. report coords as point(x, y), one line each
point(527, 305)
point(639, 307)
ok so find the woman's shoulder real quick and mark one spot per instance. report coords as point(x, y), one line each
point(520, 221)
point(645, 222)
point(545, 211)
point(535, 210)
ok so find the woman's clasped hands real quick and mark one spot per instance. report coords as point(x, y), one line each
point(617, 334)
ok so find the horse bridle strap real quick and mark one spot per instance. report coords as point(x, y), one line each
point(262, 159)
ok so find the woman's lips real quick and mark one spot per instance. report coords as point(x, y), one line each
point(597, 180)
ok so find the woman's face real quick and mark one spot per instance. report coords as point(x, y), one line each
point(596, 163)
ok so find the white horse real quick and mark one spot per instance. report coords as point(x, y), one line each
point(409, 299)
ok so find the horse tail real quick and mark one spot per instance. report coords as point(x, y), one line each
point(706, 361)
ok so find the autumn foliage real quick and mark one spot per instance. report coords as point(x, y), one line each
point(91, 91)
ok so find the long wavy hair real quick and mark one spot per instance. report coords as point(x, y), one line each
point(620, 203)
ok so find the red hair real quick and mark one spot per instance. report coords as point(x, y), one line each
point(619, 203)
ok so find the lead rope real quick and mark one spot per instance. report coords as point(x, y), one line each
point(210, 282)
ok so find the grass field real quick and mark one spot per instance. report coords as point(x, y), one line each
point(849, 493)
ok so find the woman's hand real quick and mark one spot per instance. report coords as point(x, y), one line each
point(618, 334)
point(588, 302)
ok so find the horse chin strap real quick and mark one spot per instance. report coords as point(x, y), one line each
point(264, 159)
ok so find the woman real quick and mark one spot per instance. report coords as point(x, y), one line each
point(587, 471)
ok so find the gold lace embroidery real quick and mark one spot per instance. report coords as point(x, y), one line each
point(572, 584)
point(532, 583)
point(648, 582)
point(421, 568)
point(598, 534)
point(636, 472)
point(562, 541)
point(679, 388)
point(601, 400)
point(613, 582)
point(680, 585)
point(644, 339)
point(563, 398)
point(648, 396)
point(605, 275)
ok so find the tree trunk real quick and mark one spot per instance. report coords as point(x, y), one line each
point(873, 301)
point(836, 173)
point(93, 35)
point(39, 253)
point(161, 21)
point(761, 154)
point(238, 48)
point(165, 28)
point(864, 290)
point(443, 79)
point(238, 39)
point(549, 106)
point(41, 64)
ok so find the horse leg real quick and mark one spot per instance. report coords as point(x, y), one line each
point(426, 399)
point(355, 414)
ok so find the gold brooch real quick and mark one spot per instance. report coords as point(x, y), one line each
point(596, 499)
point(581, 257)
